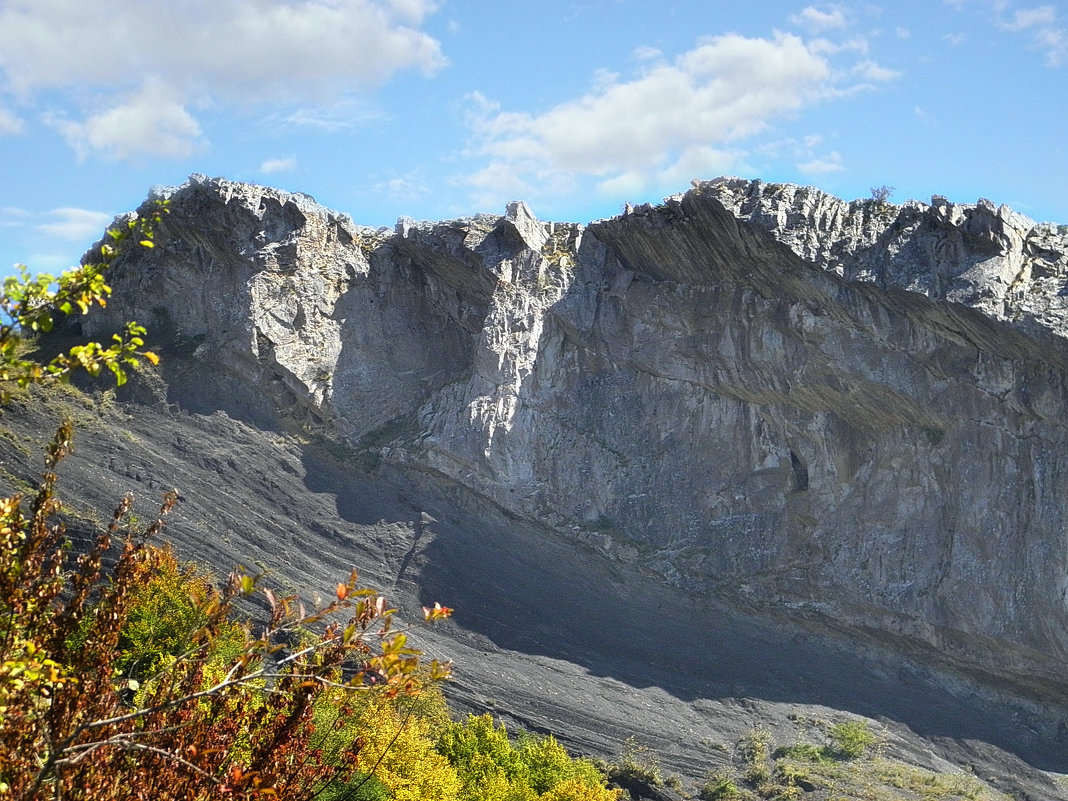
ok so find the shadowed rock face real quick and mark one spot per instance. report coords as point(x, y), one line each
point(848, 416)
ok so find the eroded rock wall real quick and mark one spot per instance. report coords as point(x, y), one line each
point(846, 411)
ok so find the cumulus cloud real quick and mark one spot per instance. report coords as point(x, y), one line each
point(75, 224)
point(278, 165)
point(208, 51)
point(672, 122)
point(147, 122)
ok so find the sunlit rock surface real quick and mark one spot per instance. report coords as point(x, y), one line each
point(847, 416)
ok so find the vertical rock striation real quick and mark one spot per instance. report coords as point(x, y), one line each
point(851, 414)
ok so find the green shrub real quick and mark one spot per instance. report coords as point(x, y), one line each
point(548, 764)
point(362, 787)
point(804, 752)
point(492, 768)
point(166, 613)
point(719, 787)
point(636, 765)
point(851, 738)
point(754, 748)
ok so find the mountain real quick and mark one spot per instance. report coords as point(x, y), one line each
point(753, 456)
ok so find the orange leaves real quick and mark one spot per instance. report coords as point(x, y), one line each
point(133, 681)
point(437, 612)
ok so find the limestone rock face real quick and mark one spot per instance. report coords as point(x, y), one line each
point(850, 414)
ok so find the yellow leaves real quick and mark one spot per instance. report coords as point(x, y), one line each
point(437, 612)
point(31, 304)
point(577, 790)
point(409, 765)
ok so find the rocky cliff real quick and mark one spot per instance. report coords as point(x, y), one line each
point(846, 417)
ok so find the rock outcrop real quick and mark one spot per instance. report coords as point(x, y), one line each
point(853, 416)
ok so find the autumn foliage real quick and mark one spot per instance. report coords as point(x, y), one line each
point(126, 674)
point(131, 680)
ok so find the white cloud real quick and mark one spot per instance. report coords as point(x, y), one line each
point(831, 162)
point(645, 53)
point(902, 33)
point(1046, 34)
point(331, 117)
point(234, 48)
point(815, 21)
point(1030, 17)
point(12, 217)
point(404, 187)
point(1055, 42)
point(205, 52)
point(278, 165)
point(871, 71)
point(955, 39)
point(822, 46)
point(671, 123)
point(804, 153)
point(74, 224)
point(9, 123)
point(148, 122)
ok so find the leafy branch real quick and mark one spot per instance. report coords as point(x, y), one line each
point(30, 305)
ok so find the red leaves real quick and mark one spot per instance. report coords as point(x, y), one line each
point(229, 715)
point(438, 612)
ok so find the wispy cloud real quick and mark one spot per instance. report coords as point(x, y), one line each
point(75, 224)
point(330, 117)
point(807, 153)
point(402, 187)
point(645, 53)
point(1023, 19)
point(815, 20)
point(12, 217)
point(831, 162)
point(9, 123)
point(871, 71)
point(232, 51)
point(1047, 35)
point(271, 166)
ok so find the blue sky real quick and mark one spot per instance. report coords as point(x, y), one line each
point(442, 108)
